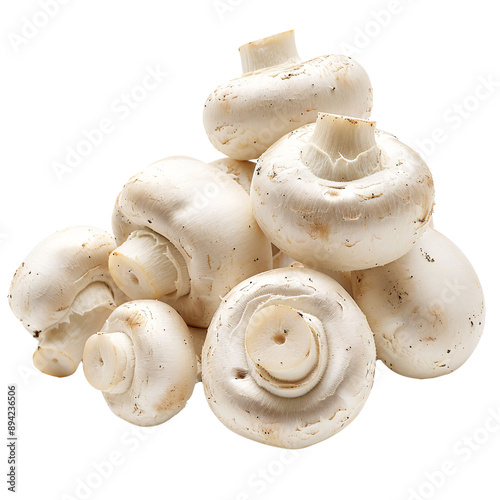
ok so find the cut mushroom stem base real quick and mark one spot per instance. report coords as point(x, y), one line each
point(109, 362)
point(342, 149)
point(269, 51)
point(283, 346)
point(146, 265)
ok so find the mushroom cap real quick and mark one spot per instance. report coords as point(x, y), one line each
point(51, 276)
point(247, 115)
point(426, 309)
point(304, 412)
point(207, 216)
point(164, 362)
point(240, 171)
point(342, 226)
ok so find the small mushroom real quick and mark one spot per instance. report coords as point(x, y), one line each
point(187, 236)
point(144, 362)
point(278, 93)
point(63, 293)
point(289, 358)
point(340, 195)
point(426, 309)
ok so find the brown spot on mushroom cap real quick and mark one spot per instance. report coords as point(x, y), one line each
point(175, 397)
point(136, 319)
point(370, 196)
point(320, 231)
point(271, 434)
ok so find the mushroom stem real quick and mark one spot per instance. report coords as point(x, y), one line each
point(109, 362)
point(61, 347)
point(270, 51)
point(282, 344)
point(147, 266)
point(342, 149)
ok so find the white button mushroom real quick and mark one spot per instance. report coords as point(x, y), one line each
point(278, 93)
point(289, 358)
point(187, 236)
point(339, 195)
point(242, 173)
point(426, 309)
point(63, 293)
point(144, 362)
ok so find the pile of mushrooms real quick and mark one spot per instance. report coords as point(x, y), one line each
point(277, 284)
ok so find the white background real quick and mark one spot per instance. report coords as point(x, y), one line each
point(425, 61)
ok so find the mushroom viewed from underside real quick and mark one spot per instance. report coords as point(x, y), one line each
point(186, 236)
point(144, 362)
point(339, 195)
point(289, 358)
point(63, 293)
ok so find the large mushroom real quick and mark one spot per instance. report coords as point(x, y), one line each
point(144, 362)
point(63, 293)
point(278, 93)
point(426, 309)
point(340, 195)
point(289, 358)
point(187, 236)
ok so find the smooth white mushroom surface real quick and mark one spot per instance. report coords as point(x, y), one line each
point(289, 358)
point(340, 195)
point(144, 362)
point(63, 293)
point(278, 93)
point(426, 309)
point(240, 171)
point(187, 236)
